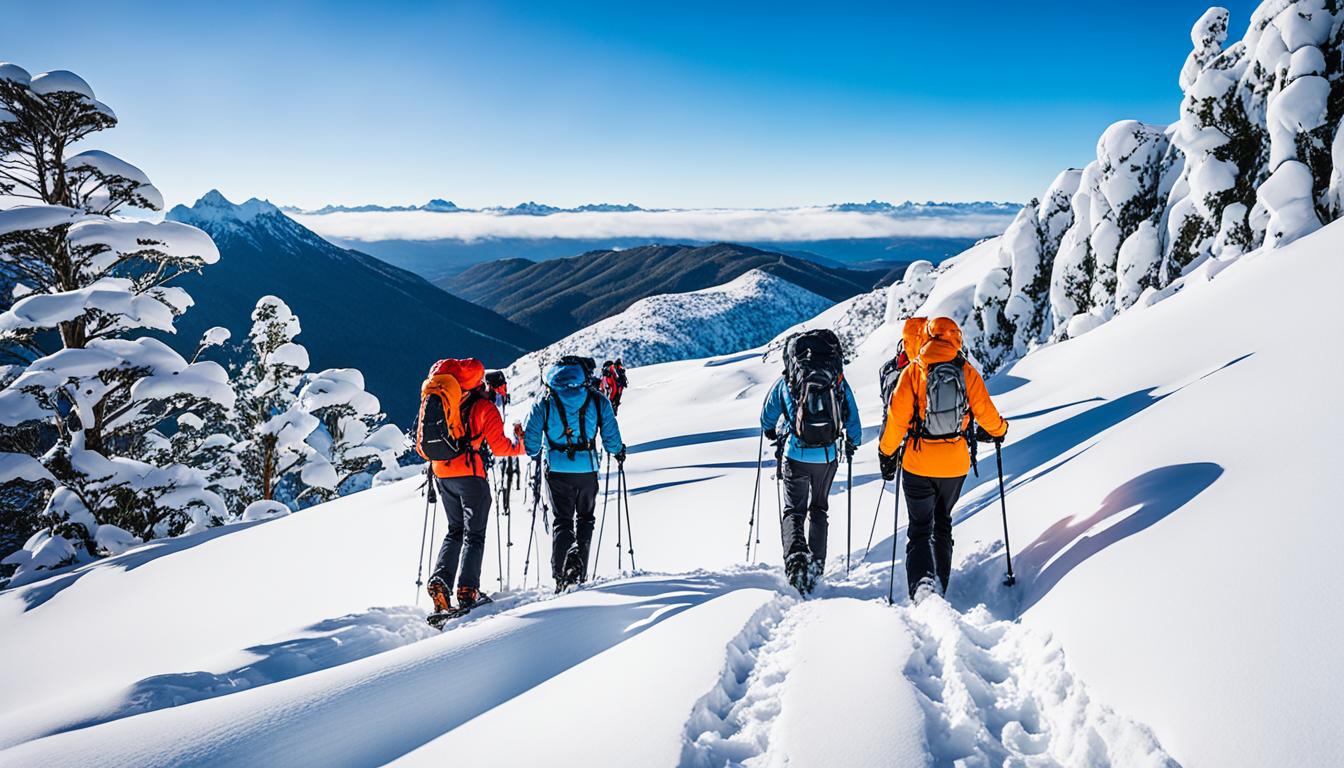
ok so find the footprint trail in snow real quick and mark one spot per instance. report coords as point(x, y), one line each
point(842, 680)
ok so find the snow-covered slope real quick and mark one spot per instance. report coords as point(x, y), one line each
point(739, 315)
point(1174, 527)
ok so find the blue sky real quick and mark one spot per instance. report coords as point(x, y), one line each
point(677, 104)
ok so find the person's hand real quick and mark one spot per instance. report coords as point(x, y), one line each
point(517, 431)
point(888, 465)
point(982, 435)
point(620, 456)
point(771, 435)
point(850, 447)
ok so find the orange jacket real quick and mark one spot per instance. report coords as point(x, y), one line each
point(939, 342)
point(485, 427)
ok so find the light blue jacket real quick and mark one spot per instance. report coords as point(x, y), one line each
point(544, 430)
point(775, 414)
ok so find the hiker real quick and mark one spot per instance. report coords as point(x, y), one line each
point(497, 388)
point(926, 434)
point(456, 425)
point(810, 416)
point(614, 382)
point(563, 430)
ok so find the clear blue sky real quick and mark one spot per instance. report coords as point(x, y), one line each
point(661, 104)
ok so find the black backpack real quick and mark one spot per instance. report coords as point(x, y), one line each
point(813, 371)
point(888, 377)
point(434, 440)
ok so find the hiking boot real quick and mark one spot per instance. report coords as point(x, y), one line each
point(926, 586)
point(796, 567)
point(438, 592)
point(574, 570)
point(467, 597)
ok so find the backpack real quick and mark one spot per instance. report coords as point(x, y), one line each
point(945, 402)
point(443, 421)
point(813, 372)
point(574, 368)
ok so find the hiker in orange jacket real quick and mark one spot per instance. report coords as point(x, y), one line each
point(463, 487)
point(928, 421)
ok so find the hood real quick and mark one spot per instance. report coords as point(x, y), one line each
point(469, 372)
point(563, 378)
point(942, 341)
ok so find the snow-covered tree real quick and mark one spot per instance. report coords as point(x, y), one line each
point(271, 428)
point(80, 424)
point(351, 437)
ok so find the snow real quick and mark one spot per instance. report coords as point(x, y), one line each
point(744, 313)
point(107, 164)
point(1133, 499)
point(1287, 196)
point(14, 73)
point(21, 466)
point(173, 239)
point(24, 217)
point(263, 510)
point(216, 336)
point(60, 80)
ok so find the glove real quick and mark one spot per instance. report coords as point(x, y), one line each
point(888, 465)
point(517, 431)
point(620, 456)
point(982, 435)
point(771, 435)
point(850, 448)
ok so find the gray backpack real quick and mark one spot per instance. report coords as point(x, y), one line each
point(945, 396)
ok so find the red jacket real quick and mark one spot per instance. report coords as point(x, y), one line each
point(485, 427)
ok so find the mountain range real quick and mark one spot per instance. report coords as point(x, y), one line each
point(557, 297)
point(356, 310)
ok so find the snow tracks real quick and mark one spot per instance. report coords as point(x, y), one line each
point(843, 681)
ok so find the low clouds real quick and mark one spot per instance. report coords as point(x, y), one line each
point(786, 224)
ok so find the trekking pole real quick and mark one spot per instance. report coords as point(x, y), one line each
point(532, 529)
point(849, 506)
point(1010, 579)
point(606, 493)
point(895, 528)
point(755, 496)
point(620, 556)
point(873, 529)
point(499, 549)
point(424, 531)
point(629, 529)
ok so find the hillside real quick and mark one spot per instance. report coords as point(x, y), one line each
point(557, 297)
point(1137, 634)
point(739, 315)
point(356, 311)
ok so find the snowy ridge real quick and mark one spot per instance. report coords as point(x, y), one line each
point(739, 315)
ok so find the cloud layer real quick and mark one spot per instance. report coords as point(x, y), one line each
point(788, 224)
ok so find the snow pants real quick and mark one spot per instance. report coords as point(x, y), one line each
point(807, 490)
point(466, 502)
point(928, 552)
point(573, 501)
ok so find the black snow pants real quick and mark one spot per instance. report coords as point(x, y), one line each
point(573, 500)
point(466, 502)
point(928, 552)
point(807, 490)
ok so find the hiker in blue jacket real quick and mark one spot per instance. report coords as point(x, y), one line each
point(807, 473)
point(562, 429)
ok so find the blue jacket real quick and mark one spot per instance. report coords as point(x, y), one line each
point(544, 429)
point(776, 415)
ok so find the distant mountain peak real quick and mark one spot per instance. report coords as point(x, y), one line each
point(214, 207)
